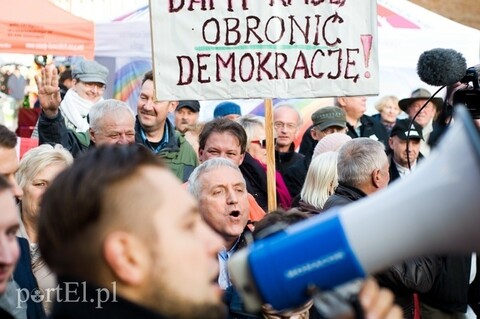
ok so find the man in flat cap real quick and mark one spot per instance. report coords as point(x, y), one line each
point(325, 121)
point(89, 80)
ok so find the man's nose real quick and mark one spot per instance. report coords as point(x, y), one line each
point(149, 104)
point(232, 197)
point(123, 139)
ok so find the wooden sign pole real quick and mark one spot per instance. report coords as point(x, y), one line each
point(270, 137)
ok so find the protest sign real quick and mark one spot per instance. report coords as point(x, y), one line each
point(227, 49)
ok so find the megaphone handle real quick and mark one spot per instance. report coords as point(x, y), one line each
point(331, 304)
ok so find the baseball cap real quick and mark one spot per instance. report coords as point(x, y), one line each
point(401, 129)
point(90, 71)
point(328, 116)
point(193, 105)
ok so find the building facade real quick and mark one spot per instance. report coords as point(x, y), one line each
point(466, 12)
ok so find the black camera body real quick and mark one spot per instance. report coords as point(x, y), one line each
point(470, 97)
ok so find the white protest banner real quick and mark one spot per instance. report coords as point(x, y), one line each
point(228, 49)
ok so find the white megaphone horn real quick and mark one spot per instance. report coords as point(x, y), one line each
point(435, 210)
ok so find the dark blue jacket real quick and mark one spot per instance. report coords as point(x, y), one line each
point(24, 277)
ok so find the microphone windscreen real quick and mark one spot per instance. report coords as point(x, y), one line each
point(439, 67)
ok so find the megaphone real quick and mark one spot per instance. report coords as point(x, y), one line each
point(435, 210)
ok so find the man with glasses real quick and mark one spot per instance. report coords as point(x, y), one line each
point(287, 121)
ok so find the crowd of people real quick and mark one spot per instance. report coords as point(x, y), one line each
point(124, 215)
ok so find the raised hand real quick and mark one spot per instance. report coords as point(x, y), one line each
point(48, 90)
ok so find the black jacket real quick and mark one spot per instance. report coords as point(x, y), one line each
point(285, 160)
point(5, 315)
point(344, 194)
point(294, 176)
point(451, 291)
point(307, 146)
point(369, 128)
point(393, 170)
point(404, 279)
point(256, 180)
point(94, 308)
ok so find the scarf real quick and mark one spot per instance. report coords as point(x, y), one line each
point(75, 110)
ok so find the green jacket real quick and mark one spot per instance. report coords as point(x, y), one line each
point(177, 153)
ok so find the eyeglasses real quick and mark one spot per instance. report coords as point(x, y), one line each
point(288, 126)
point(263, 143)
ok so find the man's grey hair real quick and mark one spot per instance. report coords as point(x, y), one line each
point(100, 109)
point(289, 106)
point(358, 158)
point(194, 184)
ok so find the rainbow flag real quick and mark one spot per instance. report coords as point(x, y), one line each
point(128, 81)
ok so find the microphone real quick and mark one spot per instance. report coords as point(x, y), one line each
point(440, 67)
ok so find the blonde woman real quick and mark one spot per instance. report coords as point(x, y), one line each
point(38, 167)
point(388, 110)
point(320, 182)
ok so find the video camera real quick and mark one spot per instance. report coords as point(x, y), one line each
point(446, 68)
point(470, 96)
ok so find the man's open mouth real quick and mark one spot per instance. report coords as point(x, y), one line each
point(235, 213)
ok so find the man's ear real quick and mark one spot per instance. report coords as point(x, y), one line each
point(92, 135)
point(242, 157)
point(376, 178)
point(126, 256)
point(390, 142)
point(200, 155)
point(172, 105)
point(341, 101)
point(313, 134)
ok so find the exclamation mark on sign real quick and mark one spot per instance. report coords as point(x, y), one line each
point(367, 47)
